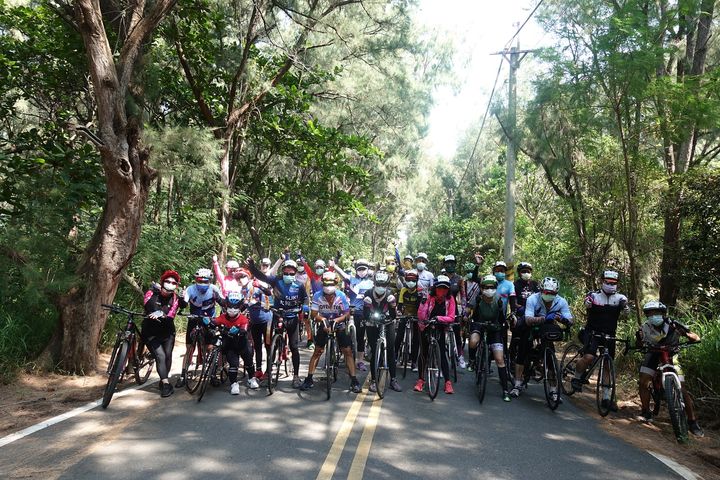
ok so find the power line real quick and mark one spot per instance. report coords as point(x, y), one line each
point(482, 125)
point(524, 23)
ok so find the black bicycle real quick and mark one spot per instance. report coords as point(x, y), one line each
point(128, 353)
point(605, 386)
point(332, 356)
point(432, 360)
point(541, 363)
point(215, 370)
point(482, 361)
point(279, 346)
point(382, 375)
point(405, 351)
point(194, 354)
point(451, 349)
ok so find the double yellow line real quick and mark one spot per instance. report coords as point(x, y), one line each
point(357, 467)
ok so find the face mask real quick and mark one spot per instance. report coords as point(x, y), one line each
point(468, 276)
point(362, 273)
point(301, 277)
point(489, 292)
point(288, 279)
point(526, 276)
point(202, 289)
point(319, 271)
point(407, 264)
point(329, 289)
point(548, 297)
point(421, 266)
point(450, 268)
point(441, 292)
point(609, 289)
point(380, 290)
point(656, 320)
point(411, 285)
point(500, 276)
point(233, 312)
point(390, 268)
point(244, 281)
point(170, 287)
point(264, 268)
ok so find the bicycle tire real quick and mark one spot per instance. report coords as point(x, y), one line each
point(143, 362)
point(481, 371)
point(193, 363)
point(329, 361)
point(570, 357)
point(352, 332)
point(676, 409)
point(432, 370)
point(116, 371)
point(209, 369)
point(551, 372)
point(450, 351)
point(381, 368)
point(273, 363)
point(406, 349)
point(606, 369)
point(656, 396)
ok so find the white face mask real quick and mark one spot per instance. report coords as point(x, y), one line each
point(329, 289)
point(319, 271)
point(380, 290)
point(362, 273)
point(421, 266)
point(489, 292)
point(170, 287)
point(244, 281)
point(609, 289)
point(411, 285)
point(526, 276)
point(233, 312)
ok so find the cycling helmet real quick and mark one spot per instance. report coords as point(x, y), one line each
point(234, 303)
point(389, 259)
point(170, 274)
point(654, 305)
point(550, 284)
point(232, 264)
point(382, 278)
point(361, 263)
point(442, 281)
point(421, 256)
point(411, 275)
point(320, 263)
point(243, 272)
point(329, 278)
point(524, 266)
point(266, 262)
point(488, 281)
point(449, 258)
point(610, 275)
point(290, 264)
point(499, 263)
point(203, 275)
point(408, 257)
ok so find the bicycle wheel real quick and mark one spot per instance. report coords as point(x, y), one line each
point(381, 368)
point(676, 408)
point(450, 351)
point(143, 363)
point(329, 364)
point(116, 370)
point(656, 396)
point(570, 357)
point(550, 379)
point(209, 370)
point(605, 385)
point(481, 370)
point(432, 370)
point(273, 363)
point(353, 340)
point(193, 362)
point(406, 349)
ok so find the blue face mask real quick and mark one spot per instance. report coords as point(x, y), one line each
point(202, 289)
point(288, 279)
point(656, 320)
point(500, 276)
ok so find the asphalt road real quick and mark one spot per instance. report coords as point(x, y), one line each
point(302, 436)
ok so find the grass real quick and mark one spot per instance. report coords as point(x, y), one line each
point(21, 340)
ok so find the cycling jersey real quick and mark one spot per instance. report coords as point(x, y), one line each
point(523, 290)
point(535, 307)
point(359, 287)
point(409, 300)
point(258, 302)
point(425, 280)
point(604, 311)
point(169, 305)
point(330, 307)
point(505, 290)
point(472, 289)
point(385, 304)
point(287, 296)
point(241, 321)
point(228, 283)
point(665, 335)
point(444, 311)
point(202, 303)
point(490, 312)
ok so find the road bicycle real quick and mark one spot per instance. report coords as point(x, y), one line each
point(451, 349)
point(380, 321)
point(332, 357)
point(405, 351)
point(128, 354)
point(482, 361)
point(215, 368)
point(541, 363)
point(432, 360)
point(279, 351)
point(605, 385)
point(194, 354)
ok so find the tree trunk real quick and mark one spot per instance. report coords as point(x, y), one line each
point(669, 282)
point(226, 194)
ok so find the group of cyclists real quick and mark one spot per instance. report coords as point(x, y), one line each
point(325, 298)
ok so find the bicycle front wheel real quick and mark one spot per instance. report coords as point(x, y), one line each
point(676, 408)
point(116, 370)
point(451, 351)
point(381, 368)
point(352, 332)
point(329, 366)
point(570, 357)
point(481, 370)
point(605, 389)
point(209, 369)
point(193, 362)
point(432, 370)
point(550, 379)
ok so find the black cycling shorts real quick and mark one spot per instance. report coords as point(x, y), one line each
point(342, 337)
point(591, 344)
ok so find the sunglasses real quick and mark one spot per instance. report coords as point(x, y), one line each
point(610, 282)
point(202, 281)
point(172, 282)
point(549, 292)
point(361, 269)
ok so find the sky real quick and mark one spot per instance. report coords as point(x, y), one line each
point(477, 28)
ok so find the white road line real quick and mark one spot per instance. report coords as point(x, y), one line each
point(681, 470)
point(64, 416)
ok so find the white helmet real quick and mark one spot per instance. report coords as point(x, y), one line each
point(329, 278)
point(550, 284)
point(266, 261)
point(290, 263)
point(361, 262)
point(319, 263)
point(421, 255)
point(203, 273)
point(449, 258)
point(232, 264)
point(500, 263)
point(654, 305)
point(382, 278)
point(610, 275)
point(442, 281)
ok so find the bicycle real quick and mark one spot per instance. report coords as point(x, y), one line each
point(405, 351)
point(352, 332)
point(482, 362)
point(381, 372)
point(432, 362)
point(451, 350)
point(666, 383)
point(279, 346)
point(541, 360)
point(332, 358)
point(128, 352)
point(605, 376)
point(214, 365)
point(194, 354)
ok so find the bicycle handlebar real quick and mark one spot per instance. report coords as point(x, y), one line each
point(118, 309)
point(645, 348)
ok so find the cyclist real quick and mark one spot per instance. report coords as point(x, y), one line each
point(441, 305)
point(258, 298)
point(357, 287)
point(457, 290)
point(524, 287)
point(425, 277)
point(235, 341)
point(302, 278)
point(330, 309)
point(659, 330)
point(228, 282)
point(489, 309)
point(472, 288)
point(604, 307)
point(506, 288)
point(288, 296)
point(543, 308)
point(408, 302)
point(158, 328)
point(380, 299)
point(313, 286)
point(201, 297)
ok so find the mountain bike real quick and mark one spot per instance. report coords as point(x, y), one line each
point(279, 346)
point(128, 353)
point(605, 386)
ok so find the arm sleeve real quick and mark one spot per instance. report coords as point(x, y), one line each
point(219, 276)
point(274, 268)
point(343, 275)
